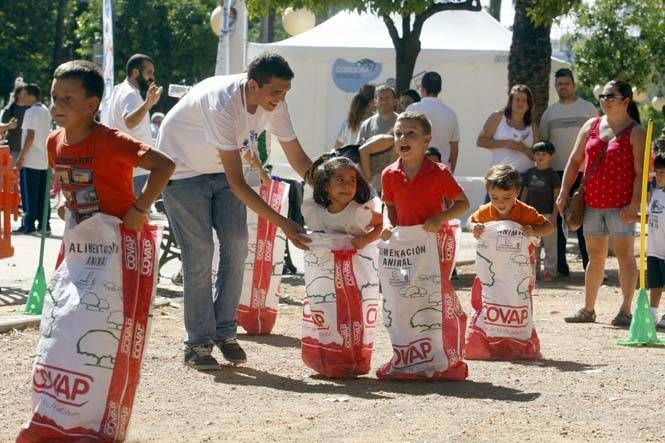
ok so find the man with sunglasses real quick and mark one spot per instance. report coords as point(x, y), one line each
point(560, 124)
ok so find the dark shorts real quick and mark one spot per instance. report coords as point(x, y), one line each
point(655, 272)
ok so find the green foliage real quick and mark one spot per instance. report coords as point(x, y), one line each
point(176, 34)
point(620, 39)
point(545, 12)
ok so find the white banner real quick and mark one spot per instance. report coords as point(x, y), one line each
point(107, 57)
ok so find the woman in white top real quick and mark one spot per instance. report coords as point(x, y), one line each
point(362, 107)
point(510, 132)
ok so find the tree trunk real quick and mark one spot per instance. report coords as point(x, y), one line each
point(529, 61)
point(406, 55)
point(59, 35)
point(495, 9)
point(268, 27)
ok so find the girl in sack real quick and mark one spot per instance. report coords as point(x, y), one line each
point(611, 149)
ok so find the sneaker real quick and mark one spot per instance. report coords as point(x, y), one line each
point(661, 323)
point(231, 350)
point(548, 276)
point(199, 357)
point(622, 319)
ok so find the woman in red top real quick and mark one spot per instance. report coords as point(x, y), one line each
point(612, 195)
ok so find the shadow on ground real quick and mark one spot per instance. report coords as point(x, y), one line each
point(12, 296)
point(561, 365)
point(275, 340)
point(369, 388)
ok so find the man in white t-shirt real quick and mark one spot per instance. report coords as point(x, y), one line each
point(560, 124)
point(129, 112)
point(445, 128)
point(203, 134)
point(32, 161)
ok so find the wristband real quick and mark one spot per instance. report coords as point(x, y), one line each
point(139, 209)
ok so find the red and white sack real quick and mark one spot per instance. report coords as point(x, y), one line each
point(257, 309)
point(341, 306)
point(502, 326)
point(94, 328)
point(420, 308)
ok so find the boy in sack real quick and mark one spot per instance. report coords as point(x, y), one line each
point(540, 191)
point(502, 327)
point(100, 296)
point(421, 310)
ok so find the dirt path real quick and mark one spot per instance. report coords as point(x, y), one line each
point(585, 388)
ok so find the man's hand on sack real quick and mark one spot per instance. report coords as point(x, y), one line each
point(294, 233)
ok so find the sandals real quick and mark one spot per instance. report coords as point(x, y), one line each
point(622, 319)
point(583, 316)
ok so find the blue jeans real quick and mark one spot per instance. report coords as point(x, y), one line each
point(195, 207)
point(33, 188)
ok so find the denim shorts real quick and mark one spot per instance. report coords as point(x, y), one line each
point(606, 222)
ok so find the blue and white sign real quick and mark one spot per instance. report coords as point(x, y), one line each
point(350, 76)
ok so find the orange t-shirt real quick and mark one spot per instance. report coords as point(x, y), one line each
point(96, 173)
point(520, 213)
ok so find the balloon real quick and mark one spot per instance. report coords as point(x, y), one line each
point(296, 21)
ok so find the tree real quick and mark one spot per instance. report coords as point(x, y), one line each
point(530, 56)
point(621, 40)
point(413, 15)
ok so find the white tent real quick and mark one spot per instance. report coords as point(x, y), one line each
point(469, 50)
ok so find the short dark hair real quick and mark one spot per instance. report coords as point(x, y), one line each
point(136, 62)
point(431, 82)
point(87, 72)
point(433, 151)
point(504, 177)
point(384, 87)
point(412, 93)
point(564, 72)
point(268, 65)
point(659, 161)
point(418, 117)
point(543, 146)
point(33, 89)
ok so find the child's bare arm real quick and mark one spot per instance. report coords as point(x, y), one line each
point(161, 167)
point(542, 230)
point(391, 214)
point(459, 207)
point(376, 223)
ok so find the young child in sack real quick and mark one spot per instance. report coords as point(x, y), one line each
point(94, 165)
point(540, 191)
point(421, 311)
point(656, 239)
point(339, 312)
point(502, 327)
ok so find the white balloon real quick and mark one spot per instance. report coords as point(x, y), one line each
point(639, 95)
point(216, 20)
point(658, 103)
point(296, 21)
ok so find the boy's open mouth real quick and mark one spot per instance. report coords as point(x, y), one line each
point(404, 148)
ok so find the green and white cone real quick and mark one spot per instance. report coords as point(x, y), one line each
point(643, 326)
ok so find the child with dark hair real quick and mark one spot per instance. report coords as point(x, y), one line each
point(342, 201)
point(93, 162)
point(540, 190)
point(503, 185)
point(656, 239)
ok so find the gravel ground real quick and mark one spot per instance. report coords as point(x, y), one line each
point(585, 388)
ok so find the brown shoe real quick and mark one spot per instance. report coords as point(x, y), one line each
point(622, 320)
point(582, 316)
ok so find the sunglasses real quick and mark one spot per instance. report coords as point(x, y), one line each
point(610, 97)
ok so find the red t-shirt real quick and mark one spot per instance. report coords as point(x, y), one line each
point(422, 197)
point(610, 184)
point(520, 213)
point(96, 173)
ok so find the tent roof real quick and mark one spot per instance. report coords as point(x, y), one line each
point(452, 30)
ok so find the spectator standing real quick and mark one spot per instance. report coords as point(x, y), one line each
point(15, 110)
point(32, 160)
point(560, 124)
point(611, 148)
point(129, 112)
point(445, 128)
point(204, 133)
point(406, 98)
point(383, 121)
point(362, 107)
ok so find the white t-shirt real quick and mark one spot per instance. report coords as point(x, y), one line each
point(656, 238)
point(212, 116)
point(352, 220)
point(506, 156)
point(38, 118)
point(560, 124)
point(445, 128)
point(346, 135)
